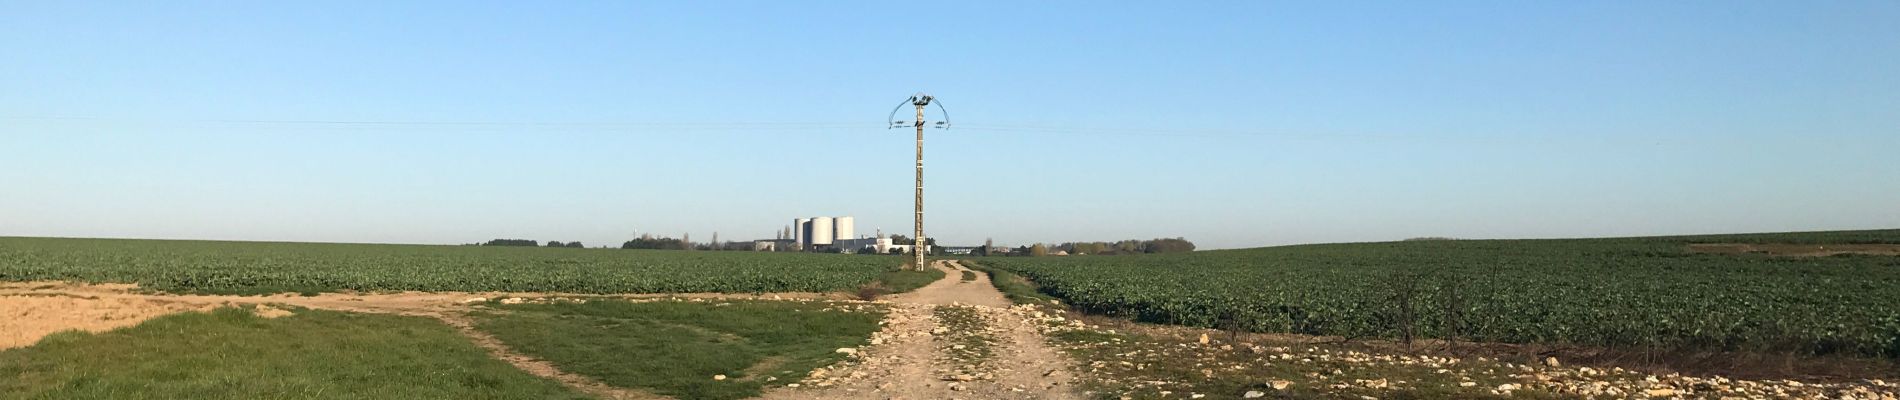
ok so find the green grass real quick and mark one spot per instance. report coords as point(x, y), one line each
point(230, 353)
point(899, 281)
point(1642, 293)
point(675, 348)
point(272, 267)
point(969, 276)
point(1018, 289)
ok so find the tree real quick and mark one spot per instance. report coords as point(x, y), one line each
point(1162, 245)
point(552, 243)
point(1038, 250)
point(651, 243)
point(1175, 245)
point(575, 244)
point(512, 242)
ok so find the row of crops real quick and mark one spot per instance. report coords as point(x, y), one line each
point(1635, 292)
point(260, 267)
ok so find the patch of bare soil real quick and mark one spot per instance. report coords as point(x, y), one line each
point(906, 360)
point(26, 319)
point(266, 311)
point(1796, 250)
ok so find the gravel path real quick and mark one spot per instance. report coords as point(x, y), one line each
point(908, 362)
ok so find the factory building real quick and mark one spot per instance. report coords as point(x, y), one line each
point(818, 233)
point(829, 234)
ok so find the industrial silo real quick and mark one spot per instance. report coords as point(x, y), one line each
point(801, 229)
point(820, 231)
point(846, 228)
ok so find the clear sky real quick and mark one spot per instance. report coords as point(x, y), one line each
point(1233, 124)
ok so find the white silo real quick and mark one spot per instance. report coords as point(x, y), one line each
point(846, 228)
point(821, 231)
point(801, 229)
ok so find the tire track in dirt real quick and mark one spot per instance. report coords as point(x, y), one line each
point(538, 367)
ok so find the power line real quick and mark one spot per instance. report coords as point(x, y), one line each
point(454, 123)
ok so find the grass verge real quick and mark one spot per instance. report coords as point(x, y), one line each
point(1018, 289)
point(898, 281)
point(676, 348)
point(231, 353)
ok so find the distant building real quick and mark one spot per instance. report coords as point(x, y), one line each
point(773, 245)
point(819, 233)
point(857, 245)
point(959, 250)
point(831, 234)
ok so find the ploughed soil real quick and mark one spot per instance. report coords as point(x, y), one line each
point(1796, 250)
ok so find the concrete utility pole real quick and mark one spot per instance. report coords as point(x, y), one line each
point(920, 100)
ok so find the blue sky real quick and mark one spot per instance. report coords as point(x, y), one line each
point(1233, 124)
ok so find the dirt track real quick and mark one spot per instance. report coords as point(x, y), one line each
point(909, 364)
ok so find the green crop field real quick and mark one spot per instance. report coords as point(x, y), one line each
point(1627, 292)
point(266, 267)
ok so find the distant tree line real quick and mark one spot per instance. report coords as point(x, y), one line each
point(512, 242)
point(902, 240)
point(648, 242)
point(1132, 246)
point(530, 243)
point(1151, 246)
